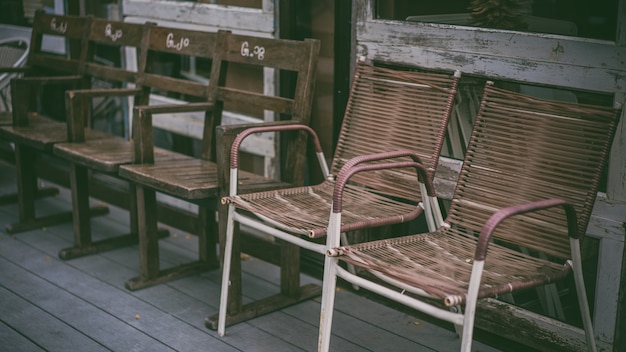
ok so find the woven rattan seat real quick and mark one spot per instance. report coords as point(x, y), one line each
point(392, 115)
point(529, 179)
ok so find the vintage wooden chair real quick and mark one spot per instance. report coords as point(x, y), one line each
point(194, 179)
point(31, 131)
point(389, 112)
point(529, 179)
point(104, 156)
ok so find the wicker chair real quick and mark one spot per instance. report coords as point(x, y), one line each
point(529, 179)
point(388, 110)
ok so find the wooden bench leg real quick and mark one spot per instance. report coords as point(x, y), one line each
point(150, 272)
point(83, 244)
point(28, 192)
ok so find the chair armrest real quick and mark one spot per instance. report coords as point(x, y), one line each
point(430, 188)
point(25, 92)
point(77, 104)
point(359, 164)
point(228, 143)
point(102, 92)
point(504, 213)
point(142, 125)
point(261, 128)
point(172, 108)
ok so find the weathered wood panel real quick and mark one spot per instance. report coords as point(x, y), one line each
point(219, 16)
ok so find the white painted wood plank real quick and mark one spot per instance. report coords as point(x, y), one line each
point(219, 16)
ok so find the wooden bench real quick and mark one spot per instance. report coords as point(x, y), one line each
point(194, 179)
point(106, 156)
point(30, 131)
point(111, 36)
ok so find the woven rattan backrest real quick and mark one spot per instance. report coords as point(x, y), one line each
point(62, 33)
point(524, 149)
point(389, 110)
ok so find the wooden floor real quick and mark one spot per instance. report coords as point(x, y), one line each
point(81, 305)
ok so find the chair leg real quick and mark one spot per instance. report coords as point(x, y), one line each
point(228, 247)
point(27, 193)
point(81, 221)
point(470, 305)
point(207, 236)
point(328, 303)
point(582, 294)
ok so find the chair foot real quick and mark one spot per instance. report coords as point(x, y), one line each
point(104, 245)
point(265, 306)
point(11, 198)
point(50, 220)
point(177, 272)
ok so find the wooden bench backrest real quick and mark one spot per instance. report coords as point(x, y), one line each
point(70, 29)
point(178, 44)
point(111, 36)
point(288, 56)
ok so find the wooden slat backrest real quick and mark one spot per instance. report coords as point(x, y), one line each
point(391, 109)
point(524, 149)
point(70, 29)
point(179, 43)
point(297, 57)
point(113, 36)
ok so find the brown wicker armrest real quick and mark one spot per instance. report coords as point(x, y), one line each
point(504, 213)
point(349, 170)
point(234, 151)
point(389, 155)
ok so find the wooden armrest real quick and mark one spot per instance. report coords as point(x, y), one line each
point(173, 108)
point(102, 92)
point(143, 135)
point(504, 213)
point(28, 82)
point(24, 91)
point(77, 107)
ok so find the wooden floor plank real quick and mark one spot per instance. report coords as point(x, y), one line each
point(14, 341)
point(41, 326)
point(84, 301)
